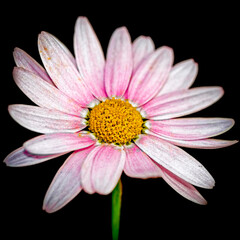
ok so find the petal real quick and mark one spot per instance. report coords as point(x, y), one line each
point(181, 103)
point(65, 50)
point(43, 120)
point(62, 70)
point(202, 143)
point(175, 160)
point(89, 57)
point(22, 59)
point(181, 76)
point(86, 172)
point(142, 47)
point(43, 93)
point(102, 169)
point(150, 76)
point(66, 184)
point(21, 158)
point(58, 143)
point(107, 168)
point(191, 128)
point(119, 63)
point(182, 187)
point(139, 165)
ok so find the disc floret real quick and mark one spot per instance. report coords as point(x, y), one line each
point(115, 121)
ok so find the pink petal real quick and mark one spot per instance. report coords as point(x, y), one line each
point(142, 47)
point(202, 143)
point(181, 76)
point(150, 76)
point(181, 103)
point(89, 57)
point(182, 187)
point(139, 165)
point(44, 94)
point(191, 128)
point(21, 158)
point(119, 63)
point(102, 169)
point(65, 50)
point(62, 70)
point(45, 120)
point(175, 160)
point(86, 172)
point(67, 182)
point(22, 59)
point(58, 143)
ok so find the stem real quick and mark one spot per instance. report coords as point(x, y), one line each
point(116, 209)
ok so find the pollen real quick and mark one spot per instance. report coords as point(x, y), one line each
point(115, 121)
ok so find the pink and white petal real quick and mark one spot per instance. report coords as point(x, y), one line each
point(86, 171)
point(150, 76)
point(62, 70)
point(190, 128)
point(139, 165)
point(44, 94)
point(203, 143)
point(182, 187)
point(21, 158)
point(43, 120)
point(58, 143)
point(142, 47)
point(119, 63)
point(89, 57)
point(181, 103)
point(22, 59)
point(175, 160)
point(209, 143)
point(66, 50)
point(107, 168)
point(67, 182)
point(181, 76)
point(102, 169)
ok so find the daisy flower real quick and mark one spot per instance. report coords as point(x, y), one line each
point(119, 114)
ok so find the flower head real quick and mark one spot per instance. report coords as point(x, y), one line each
point(115, 115)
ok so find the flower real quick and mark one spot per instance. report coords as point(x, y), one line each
point(115, 115)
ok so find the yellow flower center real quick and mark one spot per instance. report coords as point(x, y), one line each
point(115, 121)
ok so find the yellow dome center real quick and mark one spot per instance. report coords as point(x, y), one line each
point(115, 121)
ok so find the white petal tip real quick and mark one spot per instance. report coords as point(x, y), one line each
point(42, 35)
point(212, 184)
point(167, 50)
point(8, 160)
point(123, 29)
point(48, 209)
point(16, 50)
point(209, 184)
point(221, 91)
point(82, 21)
point(5, 161)
point(82, 18)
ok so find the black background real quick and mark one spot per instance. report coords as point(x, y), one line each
point(150, 208)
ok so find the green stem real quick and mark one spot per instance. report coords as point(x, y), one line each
point(116, 209)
